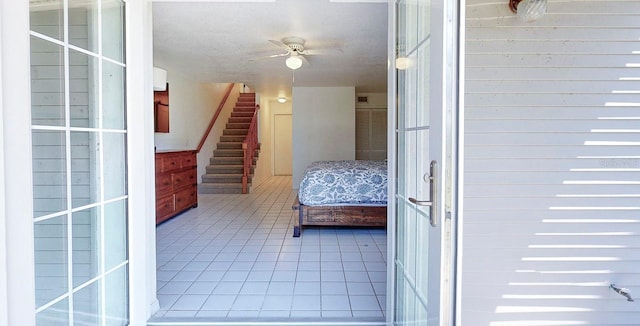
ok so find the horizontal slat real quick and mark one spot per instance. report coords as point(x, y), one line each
point(558, 99)
point(526, 152)
point(525, 53)
point(542, 36)
point(508, 19)
point(550, 190)
point(559, 231)
point(486, 214)
point(477, 8)
point(562, 113)
point(552, 60)
point(524, 138)
point(566, 44)
point(544, 73)
point(489, 241)
point(551, 177)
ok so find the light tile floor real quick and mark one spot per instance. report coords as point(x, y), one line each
point(234, 256)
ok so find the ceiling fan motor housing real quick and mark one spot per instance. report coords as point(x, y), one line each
point(294, 43)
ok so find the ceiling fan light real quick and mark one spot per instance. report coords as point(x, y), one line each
point(293, 62)
point(282, 99)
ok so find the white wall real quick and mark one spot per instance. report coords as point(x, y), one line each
point(211, 143)
point(192, 104)
point(552, 171)
point(374, 101)
point(323, 126)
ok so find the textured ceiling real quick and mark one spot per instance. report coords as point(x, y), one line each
point(214, 42)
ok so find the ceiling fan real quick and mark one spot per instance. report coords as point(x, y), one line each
point(296, 52)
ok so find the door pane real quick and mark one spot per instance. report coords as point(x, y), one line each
point(47, 83)
point(86, 305)
point(49, 172)
point(51, 259)
point(114, 165)
point(47, 17)
point(85, 168)
point(116, 297)
point(115, 233)
point(56, 315)
point(83, 88)
point(112, 29)
point(83, 24)
point(113, 96)
point(86, 245)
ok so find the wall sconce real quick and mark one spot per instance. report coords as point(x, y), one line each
point(282, 99)
point(159, 79)
point(528, 10)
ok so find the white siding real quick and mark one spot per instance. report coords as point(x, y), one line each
point(552, 165)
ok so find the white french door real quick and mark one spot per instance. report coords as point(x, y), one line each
point(424, 196)
point(79, 173)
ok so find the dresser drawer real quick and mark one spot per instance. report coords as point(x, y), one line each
point(164, 185)
point(184, 178)
point(165, 207)
point(170, 163)
point(186, 198)
point(188, 161)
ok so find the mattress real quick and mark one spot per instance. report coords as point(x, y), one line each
point(344, 183)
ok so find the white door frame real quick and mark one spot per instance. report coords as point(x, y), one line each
point(16, 120)
point(142, 209)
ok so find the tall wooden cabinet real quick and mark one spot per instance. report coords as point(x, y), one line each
point(176, 183)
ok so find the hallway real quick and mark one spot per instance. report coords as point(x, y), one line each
point(234, 257)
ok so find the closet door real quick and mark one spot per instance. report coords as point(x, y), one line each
point(371, 134)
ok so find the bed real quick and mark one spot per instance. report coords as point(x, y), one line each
point(342, 193)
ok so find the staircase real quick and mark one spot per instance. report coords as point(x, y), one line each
point(224, 172)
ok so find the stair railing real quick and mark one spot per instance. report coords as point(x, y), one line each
point(215, 116)
point(249, 146)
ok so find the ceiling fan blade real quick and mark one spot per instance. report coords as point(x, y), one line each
point(322, 51)
point(280, 45)
point(304, 60)
point(270, 56)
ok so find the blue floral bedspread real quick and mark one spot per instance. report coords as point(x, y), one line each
point(344, 183)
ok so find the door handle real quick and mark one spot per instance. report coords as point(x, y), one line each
point(433, 188)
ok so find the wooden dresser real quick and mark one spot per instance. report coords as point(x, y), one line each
point(176, 183)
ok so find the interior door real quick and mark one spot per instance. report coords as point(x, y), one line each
point(283, 151)
point(425, 85)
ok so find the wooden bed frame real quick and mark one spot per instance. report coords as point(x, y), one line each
point(338, 215)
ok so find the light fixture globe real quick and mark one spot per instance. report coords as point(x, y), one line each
point(293, 62)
